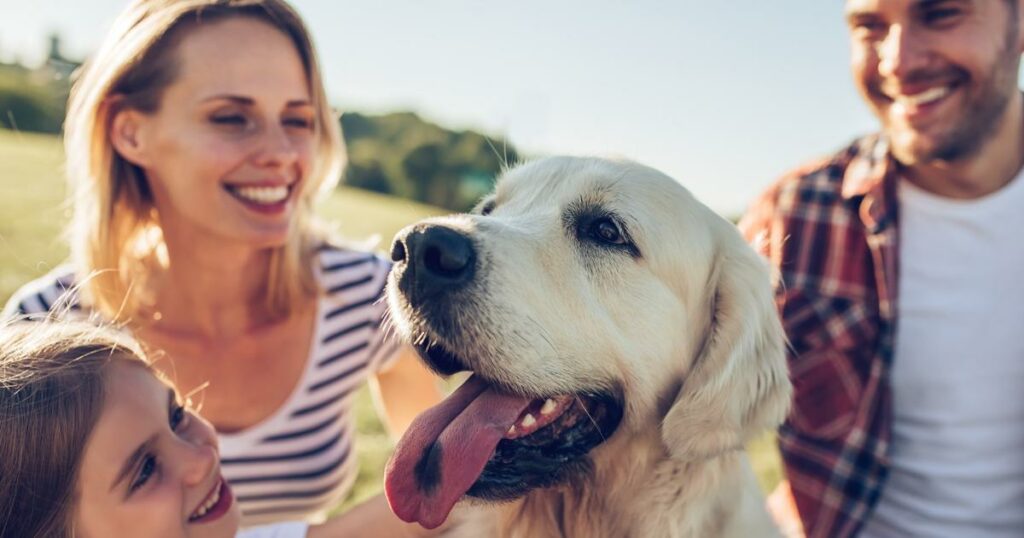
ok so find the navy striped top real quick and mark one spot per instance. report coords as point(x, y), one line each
point(299, 462)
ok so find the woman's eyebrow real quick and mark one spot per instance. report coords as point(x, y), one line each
point(249, 101)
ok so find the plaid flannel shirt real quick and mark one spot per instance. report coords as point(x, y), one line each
point(829, 231)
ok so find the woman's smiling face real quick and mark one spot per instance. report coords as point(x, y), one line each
point(150, 467)
point(227, 151)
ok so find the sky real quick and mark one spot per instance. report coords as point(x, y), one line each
point(722, 96)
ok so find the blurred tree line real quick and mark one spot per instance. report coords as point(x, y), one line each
point(398, 154)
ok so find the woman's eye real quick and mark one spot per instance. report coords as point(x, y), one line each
point(606, 231)
point(146, 470)
point(301, 123)
point(230, 120)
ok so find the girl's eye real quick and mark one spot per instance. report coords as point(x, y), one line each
point(178, 417)
point(146, 470)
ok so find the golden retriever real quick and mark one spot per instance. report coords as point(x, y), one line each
point(624, 346)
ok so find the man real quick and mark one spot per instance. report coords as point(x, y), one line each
point(901, 265)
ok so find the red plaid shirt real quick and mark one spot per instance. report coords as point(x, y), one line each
point(829, 231)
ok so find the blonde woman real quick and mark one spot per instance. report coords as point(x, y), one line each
point(198, 138)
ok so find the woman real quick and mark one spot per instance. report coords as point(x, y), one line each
point(197, 140)
point(97, 444)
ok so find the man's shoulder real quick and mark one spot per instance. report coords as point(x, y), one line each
point(817, 181)
point(811, 193)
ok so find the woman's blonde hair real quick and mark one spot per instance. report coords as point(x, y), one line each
point(114, 232)
point(51, 395)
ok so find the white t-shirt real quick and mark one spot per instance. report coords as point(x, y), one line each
point(281, 530)
point(957, 449)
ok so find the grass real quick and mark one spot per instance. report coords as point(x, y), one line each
point(33, 212)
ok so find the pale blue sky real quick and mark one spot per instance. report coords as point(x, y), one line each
point(724, 96)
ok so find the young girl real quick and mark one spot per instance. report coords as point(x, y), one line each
point(95, 444)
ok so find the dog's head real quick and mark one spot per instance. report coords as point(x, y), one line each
point(591, 299)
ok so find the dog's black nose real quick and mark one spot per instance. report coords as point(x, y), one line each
point(436, 259)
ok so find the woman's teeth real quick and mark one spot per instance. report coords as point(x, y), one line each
point(262, 195)
point(210, 502)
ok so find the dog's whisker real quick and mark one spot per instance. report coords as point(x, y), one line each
point(591, 417)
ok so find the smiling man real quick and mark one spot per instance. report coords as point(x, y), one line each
point(899, 260)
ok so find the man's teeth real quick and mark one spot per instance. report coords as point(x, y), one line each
point(923, 98)
point(262, 195)
point(208, 504)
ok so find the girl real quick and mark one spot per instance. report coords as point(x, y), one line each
point(96, 444)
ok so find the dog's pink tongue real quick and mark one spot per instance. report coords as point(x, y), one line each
point(445, 450)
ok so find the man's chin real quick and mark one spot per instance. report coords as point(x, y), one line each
point(911, 147)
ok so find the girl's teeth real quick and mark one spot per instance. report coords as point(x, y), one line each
point(262, 195)
point(208, 504)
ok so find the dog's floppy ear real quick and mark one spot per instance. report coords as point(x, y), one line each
point(738, 384)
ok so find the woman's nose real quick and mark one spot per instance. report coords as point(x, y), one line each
point(277, 149)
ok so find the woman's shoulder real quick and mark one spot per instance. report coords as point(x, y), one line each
point(55, 292)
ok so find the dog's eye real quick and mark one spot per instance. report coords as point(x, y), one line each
point(606, 231)
point(487, 207)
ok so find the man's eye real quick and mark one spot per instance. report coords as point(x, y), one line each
point(146, 470)
point(940, 16)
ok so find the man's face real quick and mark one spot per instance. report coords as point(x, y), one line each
point(939, 74)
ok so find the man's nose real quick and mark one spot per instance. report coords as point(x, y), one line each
point(900, 53)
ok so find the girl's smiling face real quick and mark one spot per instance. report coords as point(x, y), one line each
point(150, 466)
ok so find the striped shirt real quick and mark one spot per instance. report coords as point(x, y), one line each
point(299, 462)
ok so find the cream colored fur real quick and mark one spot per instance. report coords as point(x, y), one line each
point(686, 332)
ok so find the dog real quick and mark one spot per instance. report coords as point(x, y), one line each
point(623, 344)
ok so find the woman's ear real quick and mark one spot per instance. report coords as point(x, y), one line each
point(127, 133)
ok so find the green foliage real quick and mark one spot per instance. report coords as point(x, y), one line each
point(402, 155)
point(28, 106)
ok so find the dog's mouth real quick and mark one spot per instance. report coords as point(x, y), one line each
point(487, 442)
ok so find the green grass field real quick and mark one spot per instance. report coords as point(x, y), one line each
point(33, 212)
